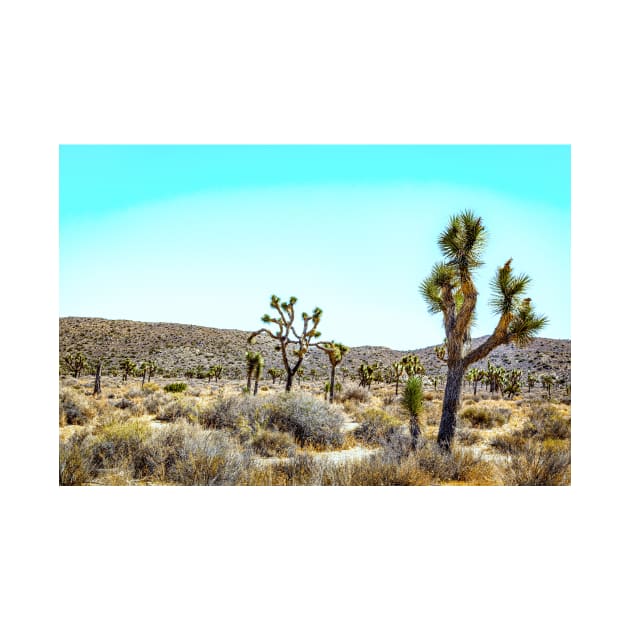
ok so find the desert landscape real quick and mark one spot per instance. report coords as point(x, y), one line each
point(185, 425)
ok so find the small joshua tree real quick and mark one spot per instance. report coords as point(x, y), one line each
point(412, 366)
point(475, 375)
point(128, 367)
point(398, 369)
point(511, 383)
point(251, 361)
point(290, 342)
point(275, 373)
point(75, 363)
point(215, 372)
point(367, 373)
point(547, 381)
point(532, 379)
point(152, 368)
point(144, 370)
point(335, 353)
point(259, 364)
point(412, 402)
point(451, 291)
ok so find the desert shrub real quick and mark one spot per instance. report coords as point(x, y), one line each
point(154, 403)
point(535, 465)
point(356, 394)
point(178, 409)
point(302, 470)
point(466, 436)
point(376, 426)
point(312, 421)
point(429, 396)
point(75, 408)
point(202, 458)
point(270, 443)
point(233, 412)
point(175, 387)
point(481, 417)
point(115, 443)
point(508, 443)
point(75, 464)
point(546, 422)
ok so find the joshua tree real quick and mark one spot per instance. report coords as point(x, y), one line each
point(398, 369)
point(251, 361)
point(547, 381)
point(275, 373)
point(128, 367)
point(511, 383)
point(290, 342)
point(494, 374)
point(97, 377)
point(76, 363)
point(259, 364)
point(475, 374)
point(300, 374)
point(366, 374)
point(412, 366)
point(335, 353)
point(532, 379)
point(144, 370)
point(450, 290)
point(215, 372)
point(412, 402)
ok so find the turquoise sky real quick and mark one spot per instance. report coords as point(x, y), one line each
point(205, 234)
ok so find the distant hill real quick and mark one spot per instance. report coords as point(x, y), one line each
point(179, 347)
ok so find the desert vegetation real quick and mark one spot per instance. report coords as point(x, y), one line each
point(437, 416)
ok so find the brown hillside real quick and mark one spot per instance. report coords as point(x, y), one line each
point(178, 347)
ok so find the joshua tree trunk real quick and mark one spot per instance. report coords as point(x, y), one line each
point(255, 386)
point(414, 429)
point(396, 387)
point(289, 383)
point(144, 377)
point(249, 382)
point(97, 379)
point(450, 404)
point(332, 384)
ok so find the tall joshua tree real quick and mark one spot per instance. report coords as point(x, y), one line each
point(292, 345)
point(97, 377)
point(335, 352)
point(451, 291)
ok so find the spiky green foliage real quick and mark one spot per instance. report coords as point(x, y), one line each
point(412, 401)
point(450, 290)
point(511, 383)
point(412, 365)
point(291, 343)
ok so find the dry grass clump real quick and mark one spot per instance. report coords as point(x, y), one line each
point(272, 443)
point(75, 407)
point(508, 443)
point(376, 426)
point(233, 413)
point(546, 422)
point(75, 463)
point(536, 465)
point(179, 409)
point(466, 436)
point(356, 394)
point(483, 417)
point(389, 467)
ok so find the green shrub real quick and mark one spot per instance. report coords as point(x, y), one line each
point(175, 387)
point(546, 422)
